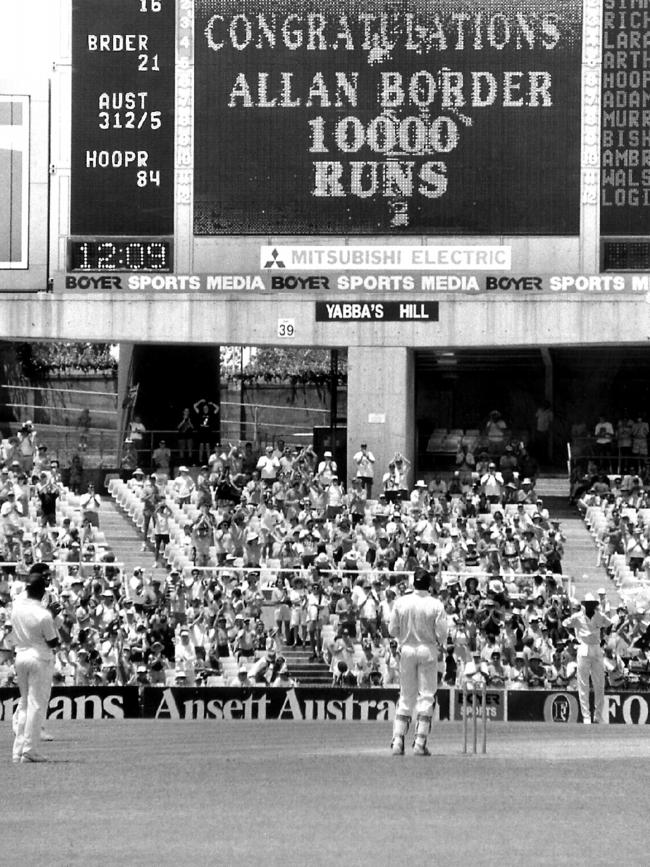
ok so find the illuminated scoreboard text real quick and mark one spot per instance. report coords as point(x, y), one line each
point(123, 55)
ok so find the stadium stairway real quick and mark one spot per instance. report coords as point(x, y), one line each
point(125, 540)
point(580, 560)
point(304, 671)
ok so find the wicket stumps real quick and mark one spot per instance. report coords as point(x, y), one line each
point(475, 689)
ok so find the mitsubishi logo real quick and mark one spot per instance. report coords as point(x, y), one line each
point(274, 262)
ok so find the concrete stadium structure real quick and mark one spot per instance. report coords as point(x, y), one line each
point(550, 291)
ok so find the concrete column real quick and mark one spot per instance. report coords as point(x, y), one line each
point(123, 383)
point(381, 406)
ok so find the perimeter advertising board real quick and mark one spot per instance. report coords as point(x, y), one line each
point(316, 704)
point(80, 702)
point(407, 117)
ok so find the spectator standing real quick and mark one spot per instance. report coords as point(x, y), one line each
point(48, 493)
point(149, 497)
point(161, 531)
point(327, 469)
point(76, 474)
point(129, 460)
point(624, 431)
point(604, 435)
point(391, 664)
point(11, 517)
point(27, 446)
point(365, 462)
point(186, 431)
point(492, 483)
point(83, 426)
point(402, 467)
point(268, 467)
point(207, 422)
point(640, 431)
point(41, 459)
point(587, 625)
point(185, 656)
point(495, 430)
point(161, 461)
point(137, 430)
point(183, 486)
point(419, 624)
point(249, 460)
point(90, 503)
point(543, 432)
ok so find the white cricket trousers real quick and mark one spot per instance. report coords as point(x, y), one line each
point(418, 680)
point(34, 678)
point(590, 664)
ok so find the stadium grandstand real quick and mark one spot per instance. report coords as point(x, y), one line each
point(223, 286)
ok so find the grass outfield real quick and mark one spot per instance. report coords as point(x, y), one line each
point(141, 792)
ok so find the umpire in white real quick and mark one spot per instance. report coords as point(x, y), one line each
point(419, 623)
point(587, 625)
point(35, 637)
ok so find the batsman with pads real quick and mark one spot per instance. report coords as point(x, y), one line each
point(419, 623)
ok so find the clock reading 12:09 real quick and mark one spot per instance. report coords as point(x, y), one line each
point(120, 254)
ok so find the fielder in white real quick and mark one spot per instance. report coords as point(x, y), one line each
point(587, 625)
point(419, 623)
point(35, 638)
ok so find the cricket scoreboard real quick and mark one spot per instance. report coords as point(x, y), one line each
point(387, 118)
point(123, 132)
point(422, 118)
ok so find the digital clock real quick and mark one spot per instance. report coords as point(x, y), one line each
point(120, 254)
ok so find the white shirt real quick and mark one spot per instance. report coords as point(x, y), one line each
point(268, 467)
point(587, 629)
point(364, 462)
point(418, 618)
point(33, 627)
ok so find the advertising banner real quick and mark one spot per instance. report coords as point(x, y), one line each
point(387, 117)
point(317, 704)
point(521, 286)
point(628, 708)
point(80, 702)
point(260, 703)
point(496, 700)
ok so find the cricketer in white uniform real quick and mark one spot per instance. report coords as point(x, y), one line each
point(590, 657)
point(35, 637)
point(419, 623)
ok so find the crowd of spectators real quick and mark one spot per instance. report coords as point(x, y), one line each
point(279, 554)
point(609, 446)
point(331, 561)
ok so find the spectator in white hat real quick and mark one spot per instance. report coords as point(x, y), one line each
point(183, 487)
point(185, 655)
point(327, 468)
point(419, 498)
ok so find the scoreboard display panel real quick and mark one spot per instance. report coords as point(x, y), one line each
point(625, 120)
point(122, 160)
point(387, 117)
